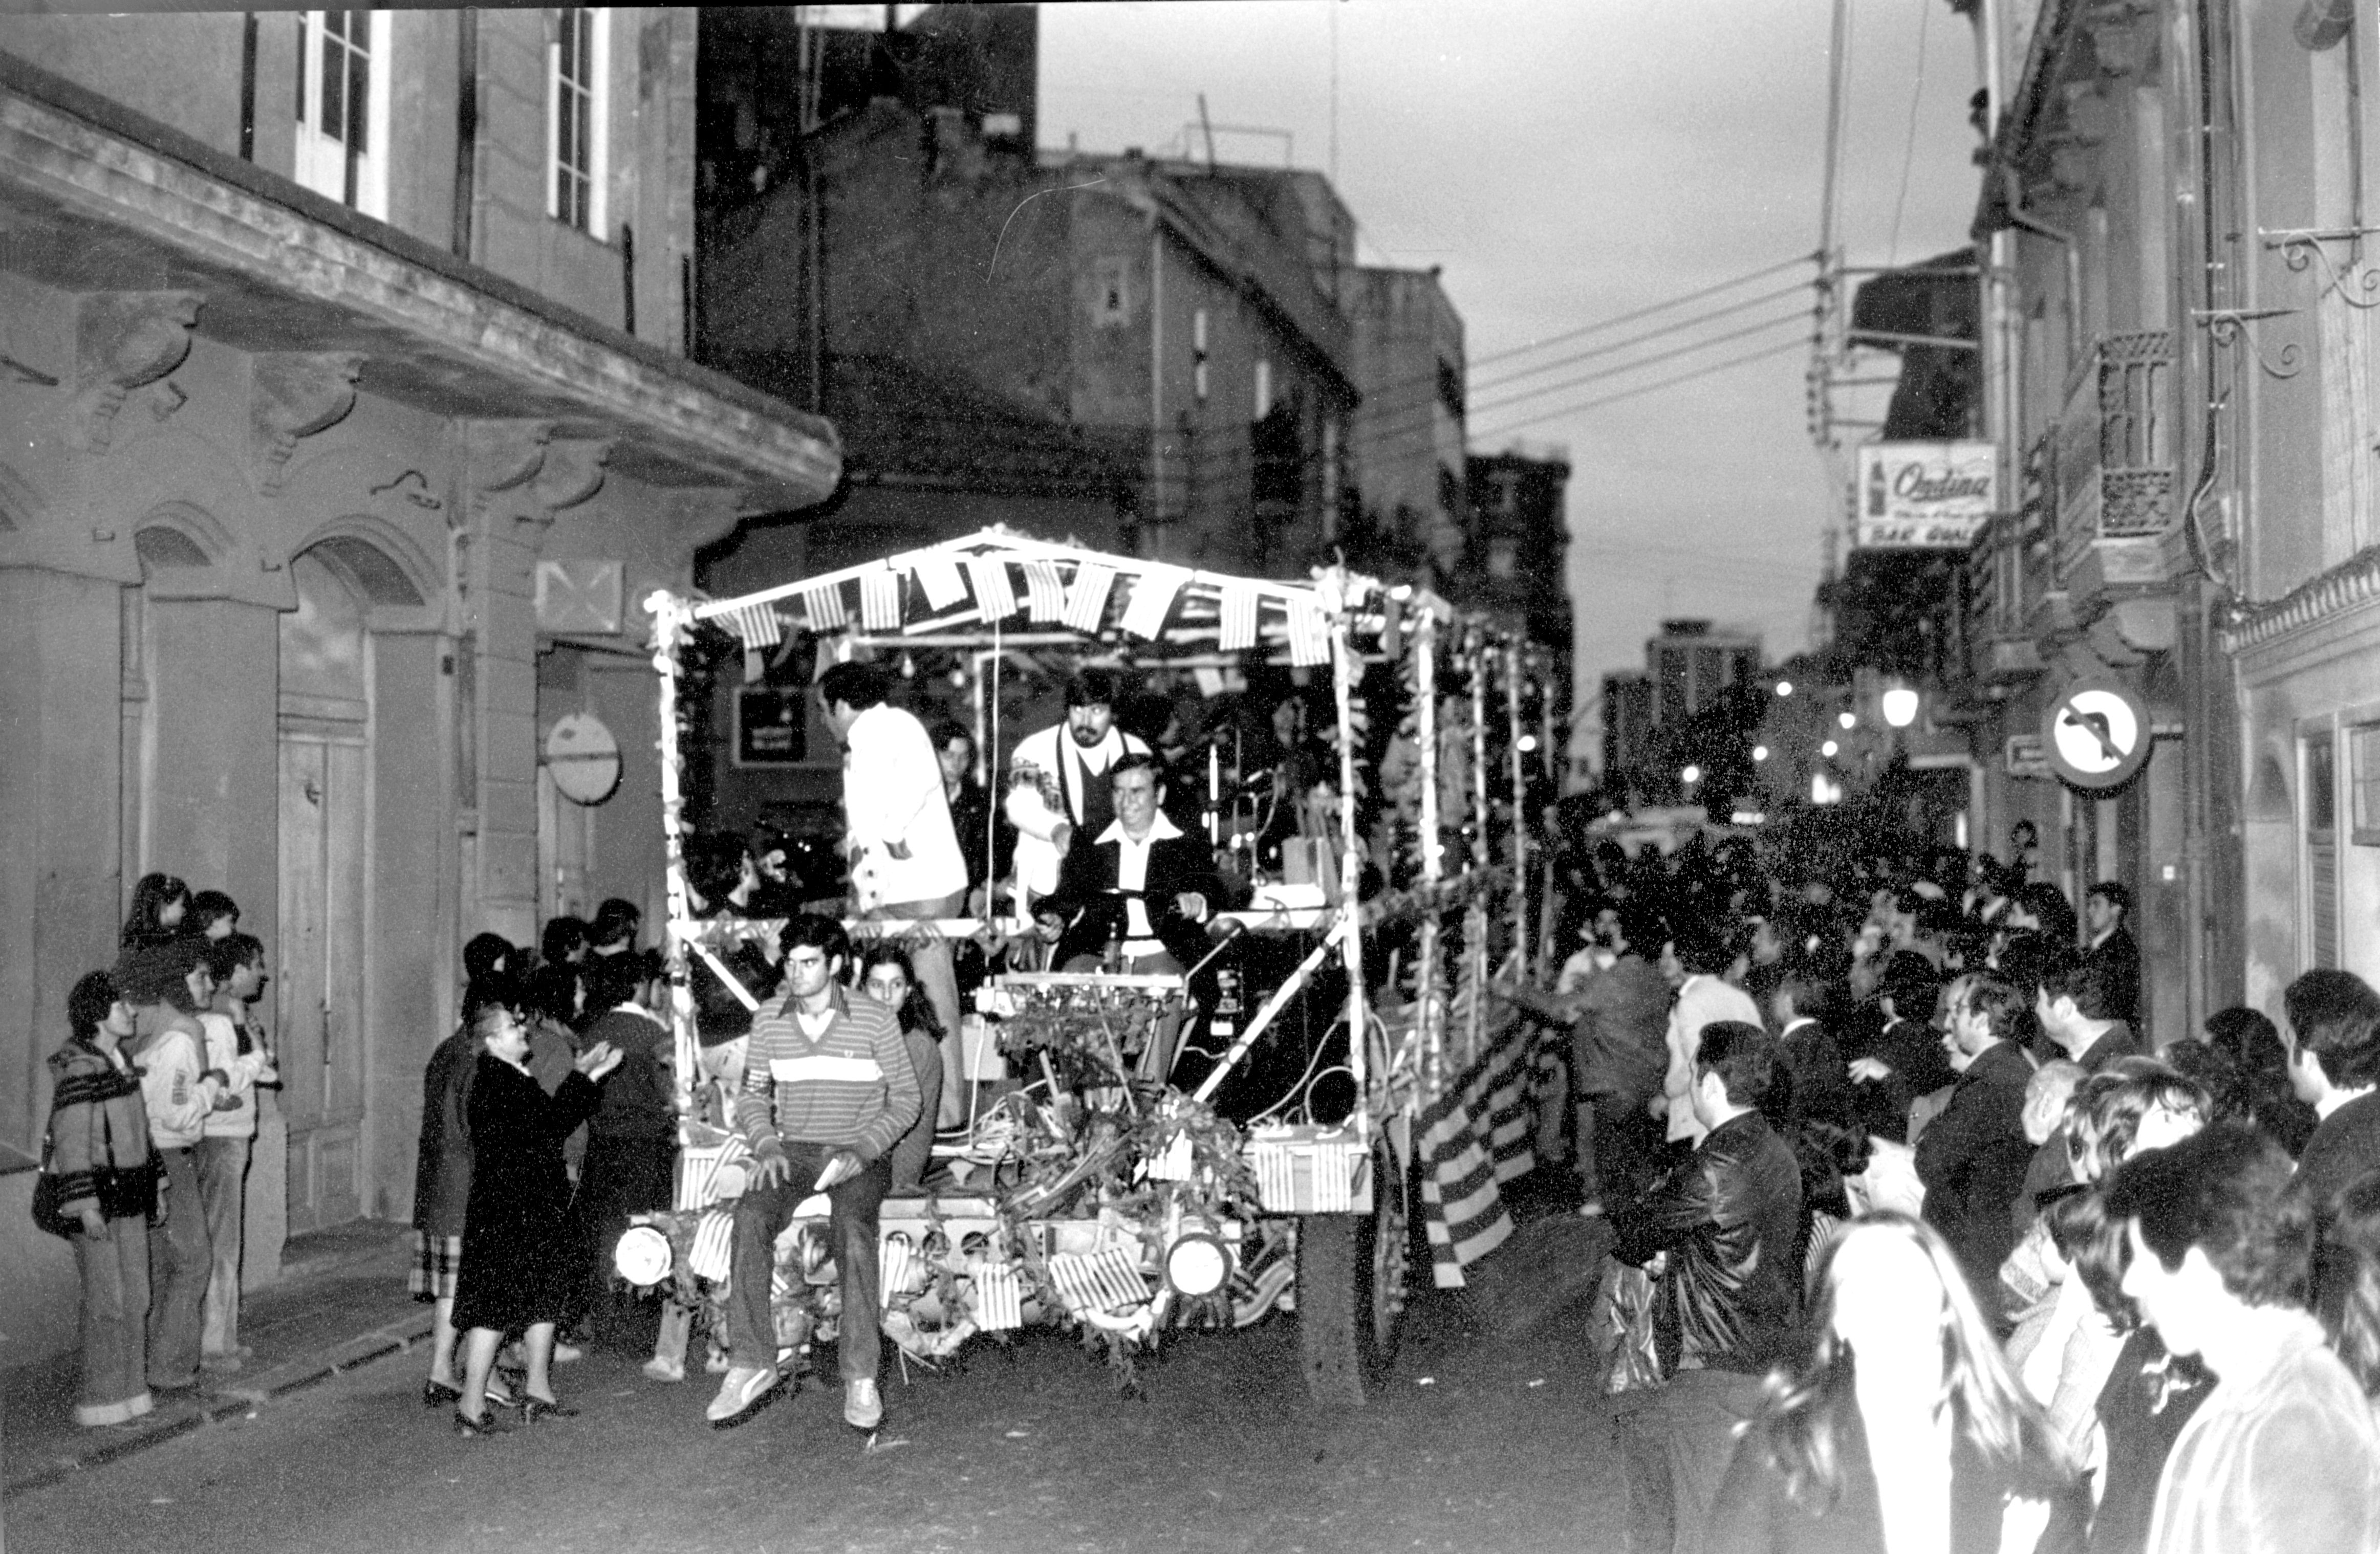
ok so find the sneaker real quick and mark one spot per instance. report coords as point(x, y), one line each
point(564, 1354)
point(746, 1392)
point(863, 1407)
point(659, 1368)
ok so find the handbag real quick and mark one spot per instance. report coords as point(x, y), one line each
point(49, 1211)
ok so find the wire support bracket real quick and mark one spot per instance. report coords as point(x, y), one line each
point(2227, 328)
point(2302, 249)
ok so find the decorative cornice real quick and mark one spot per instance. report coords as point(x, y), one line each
point(503, 455)
point(292, 395)
point(98, 162)
point(123, 340)
point(2351, 582)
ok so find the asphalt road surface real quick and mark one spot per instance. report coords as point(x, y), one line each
point(1482, 1441)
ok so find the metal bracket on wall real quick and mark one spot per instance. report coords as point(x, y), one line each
point(2229, 327)
point(2302, 249)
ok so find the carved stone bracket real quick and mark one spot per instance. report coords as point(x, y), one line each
point(573, 470)
point(123, 340)
point(294, 396)
point(505, 454)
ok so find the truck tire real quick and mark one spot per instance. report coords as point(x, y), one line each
point(1352, 1272)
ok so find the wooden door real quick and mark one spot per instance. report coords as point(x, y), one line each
point(320, 983)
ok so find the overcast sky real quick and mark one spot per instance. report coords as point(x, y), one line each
point(1566, 161)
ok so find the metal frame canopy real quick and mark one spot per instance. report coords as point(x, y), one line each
point(968, 592)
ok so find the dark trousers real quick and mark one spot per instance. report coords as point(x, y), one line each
point(1619, 1145)
point(1675, 1441)
point(622, 1174)
point(762, 1213)
point(181, 1261)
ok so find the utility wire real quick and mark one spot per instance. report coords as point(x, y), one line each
point(1642, 389)
point(1908, 149)
point(1618, 319)
point(1374, 401)
point(1416, 417)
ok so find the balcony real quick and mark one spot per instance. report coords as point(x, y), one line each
point(2114, 474)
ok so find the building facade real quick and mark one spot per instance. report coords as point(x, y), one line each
point(1412, 515)
point(349, 352)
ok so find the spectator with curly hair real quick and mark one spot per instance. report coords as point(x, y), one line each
point(2260, 1068)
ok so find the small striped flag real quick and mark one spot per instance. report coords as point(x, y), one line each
point(1239, 619)
point(714, 1239)
point(758, 624)
point(1087, 601)
point(993, 596)
point(1152, 599)
point(898, 1271)
point(823, 604)
point(1101, 1281)
point(1045, 591)
point(1309, 634)
point(879, 600)
point(939, 575)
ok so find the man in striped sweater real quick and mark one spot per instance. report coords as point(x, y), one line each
point(827, 1088)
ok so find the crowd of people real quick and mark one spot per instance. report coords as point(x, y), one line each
point(152, 1117)
point(1921, 1239)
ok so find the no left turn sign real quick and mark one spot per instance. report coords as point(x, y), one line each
point(2095, 734)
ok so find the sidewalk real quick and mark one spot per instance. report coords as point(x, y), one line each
point(340, 1301)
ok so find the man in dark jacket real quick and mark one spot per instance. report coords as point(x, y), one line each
point(1617, 1059)
point(1717, 1234)
point(2108, 916)
point(1972, 1158)
point(1905, 1059)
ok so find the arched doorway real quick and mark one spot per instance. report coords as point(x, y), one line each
point(325, 747)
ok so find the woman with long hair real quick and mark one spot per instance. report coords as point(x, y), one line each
point(2350, 1264)
point(886, 973)
point(2260, 1061)
point(516, 1276)
point(1898, 1427)
point(160, 901)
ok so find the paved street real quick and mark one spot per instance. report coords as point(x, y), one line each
point(1483, 1443)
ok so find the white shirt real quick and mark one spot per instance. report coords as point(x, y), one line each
point(1035, 782)
point(1132, 874)
point(893, 792)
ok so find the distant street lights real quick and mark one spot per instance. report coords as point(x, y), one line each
point(1899, 704)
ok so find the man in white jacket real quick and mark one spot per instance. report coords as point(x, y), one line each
point(234, 1047)
point(167, 985)
point(1057, 781)
point(897, 834)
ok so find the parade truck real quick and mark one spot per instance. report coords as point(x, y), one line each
point(1121, 1173)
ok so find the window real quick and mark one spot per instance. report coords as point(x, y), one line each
point(579, 62)
point(1503, 558)
point(343, 107)
point(1264, 389)
point(1111, 300)
point(1198, 354)
point(2363, 780)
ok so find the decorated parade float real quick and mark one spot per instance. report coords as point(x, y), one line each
point(1105, 1187)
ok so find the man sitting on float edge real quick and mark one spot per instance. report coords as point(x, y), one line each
point(827, 1088)
point(1142, 881)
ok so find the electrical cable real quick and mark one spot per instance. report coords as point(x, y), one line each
point(1908, 149)
point(1643, 389)
point(1645, 312)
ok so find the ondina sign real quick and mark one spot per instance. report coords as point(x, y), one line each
point(1925, 495)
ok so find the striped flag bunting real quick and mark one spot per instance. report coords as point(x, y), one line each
point(1099, 1282)
point(939, 575)
point(1477, 1134)
point(824, 605)
point(896, 1268)
point(714, 1239)
point(1152, 599)
point(1239, 619)
point(879, 600)
point(699, 1166)
point(1309, 634)
point(1087, 601)
point(999, 1297)
point(758, 624)
point(993, 597)
point(1045, 591)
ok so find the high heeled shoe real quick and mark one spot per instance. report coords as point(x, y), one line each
point(534, 1409)
point(488, 1423)
point(435, 1393)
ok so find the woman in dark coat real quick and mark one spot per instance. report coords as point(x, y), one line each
point(515, 1276)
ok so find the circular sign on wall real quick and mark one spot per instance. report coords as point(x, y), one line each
point(583, 756)
point(2095, 734)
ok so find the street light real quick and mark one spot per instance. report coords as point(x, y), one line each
point(1900, 704)
point(1692, 775)
point(1784, 687)
point(1828, 750)
point(1760, 752)
point(1848, 719)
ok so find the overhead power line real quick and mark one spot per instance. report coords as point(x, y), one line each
point(1672, 381)
point(1663, 306)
